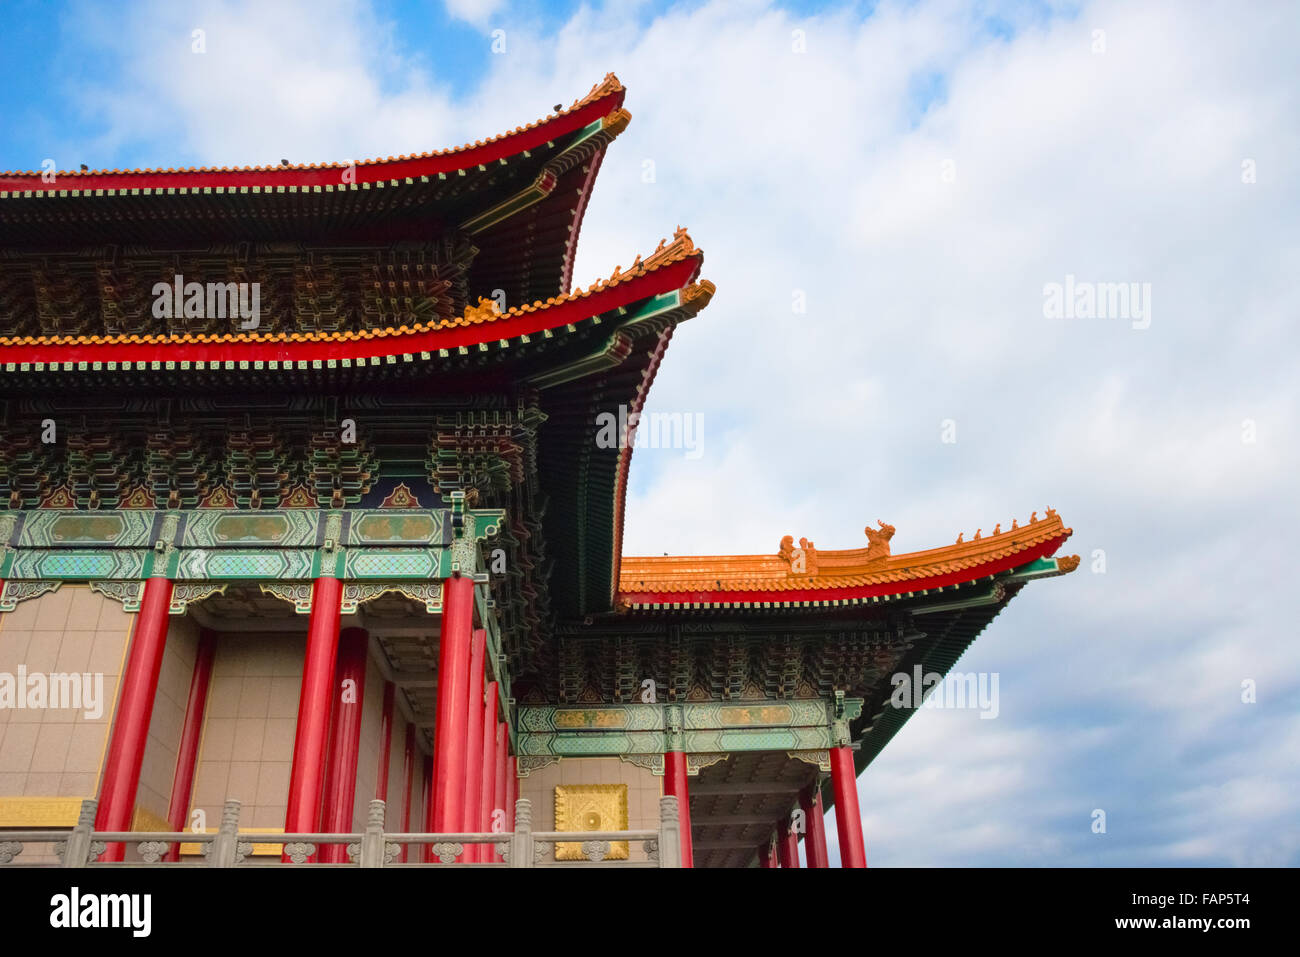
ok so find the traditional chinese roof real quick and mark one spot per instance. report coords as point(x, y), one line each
point(832, 578)
point(519, 196)
point(603, 97)
point(582, 354)
point(378, 276)
point(672, 267)
point(807, 623)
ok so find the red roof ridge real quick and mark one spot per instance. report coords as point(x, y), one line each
point(667, 253)
point(609, 86)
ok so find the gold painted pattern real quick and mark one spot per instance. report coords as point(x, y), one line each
point(590, 807)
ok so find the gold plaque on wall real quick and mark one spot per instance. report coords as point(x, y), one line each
point(590, 807)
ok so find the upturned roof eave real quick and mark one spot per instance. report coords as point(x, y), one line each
point(603, 98)
point(904, 574)
point(673, 270)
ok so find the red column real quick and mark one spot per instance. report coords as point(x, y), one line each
point(787, 848)
point(349, 691)
point(765, 856)
point(512, 784)
point(426, 775)
point(385, 743)
point(814, 841)
point(500, 790)
point(187, 754)
point(134, 710)
point(475, 769)
point(307, 776)
point(425, 852)
point(483, 802)
point(408, 783)
point(675, 784)
point(848, 818)
point(450, 740)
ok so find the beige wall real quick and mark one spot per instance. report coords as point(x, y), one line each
point(644, 789)
point(174, 678)
point(59, 753)
point(396, 761)
point(247, 746)
point(246, 749)
point(396, 755)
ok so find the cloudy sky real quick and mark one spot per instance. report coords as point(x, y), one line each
point(914, 174)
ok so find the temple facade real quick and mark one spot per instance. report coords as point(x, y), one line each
point(303, 504)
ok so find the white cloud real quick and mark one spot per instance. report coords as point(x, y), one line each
point(477, 12)
point(816, 172)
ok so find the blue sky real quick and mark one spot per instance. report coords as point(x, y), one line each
point(919, 173)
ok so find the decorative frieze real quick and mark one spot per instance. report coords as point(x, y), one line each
point(285, 545)
point(245, 529)
point(707, 731)
point(356, 594)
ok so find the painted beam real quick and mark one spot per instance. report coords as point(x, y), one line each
point(234, 545)
point(705, 728)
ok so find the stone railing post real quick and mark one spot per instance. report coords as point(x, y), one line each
point(372, 842)
point(76, 853)
point(224, 849)
point(521, 842)
point(670, 833)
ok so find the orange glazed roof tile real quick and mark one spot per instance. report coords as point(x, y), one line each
point(803, 573)
point(607, 87)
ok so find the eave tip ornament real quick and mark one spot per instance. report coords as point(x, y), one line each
point(878, 540)
point(802, 560)
point(485, 310)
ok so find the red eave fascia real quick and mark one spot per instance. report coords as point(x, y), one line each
point(665, 278)
point(625, 455)
point(369, 171)
point(963, 576)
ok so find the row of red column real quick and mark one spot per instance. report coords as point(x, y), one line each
point(472, 782)
point(322, 783)
point(474, 776)
point(784, 851)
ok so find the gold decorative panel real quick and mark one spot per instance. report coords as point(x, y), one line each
point(590, 807)
point(34, 812)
